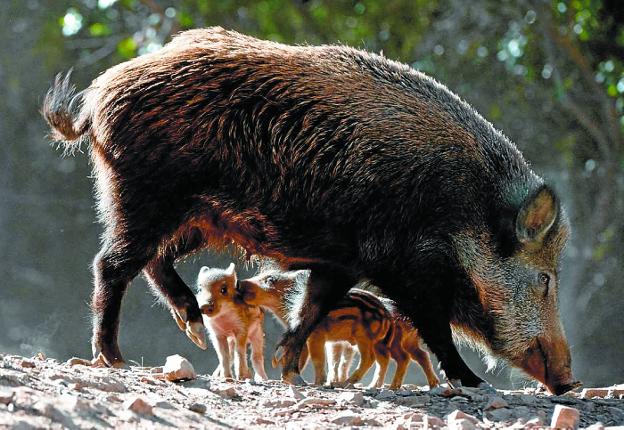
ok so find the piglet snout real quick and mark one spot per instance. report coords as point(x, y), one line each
point(208, 308)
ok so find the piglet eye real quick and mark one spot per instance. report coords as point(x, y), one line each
point(270, 280)
point(544, 279)
point(224, 289)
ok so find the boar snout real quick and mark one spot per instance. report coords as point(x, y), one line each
point(549, 362)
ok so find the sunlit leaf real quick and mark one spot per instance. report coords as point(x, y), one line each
point(99, 29)
point(127, 48)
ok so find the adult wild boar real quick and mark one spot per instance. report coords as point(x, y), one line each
point(324, 158)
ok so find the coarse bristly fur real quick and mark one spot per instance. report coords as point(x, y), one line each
point(329, 159)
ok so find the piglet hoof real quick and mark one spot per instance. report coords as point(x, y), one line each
point(277, 357)
point(293, 379)
point(197, 333)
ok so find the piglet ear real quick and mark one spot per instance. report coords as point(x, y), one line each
point(230, 270)
point(204, 269)
point(537, 216)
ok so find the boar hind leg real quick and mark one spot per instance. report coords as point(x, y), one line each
point(118, 262)
point(163, 277)
point(326, 285)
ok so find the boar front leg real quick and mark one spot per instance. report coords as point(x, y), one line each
point(434, 326)
point(162, 277)
point(326, 285)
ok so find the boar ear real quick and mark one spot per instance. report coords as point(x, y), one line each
point(230, 269)
point(537, 215)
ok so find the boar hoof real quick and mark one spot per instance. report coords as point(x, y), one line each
point(197, 333)
point(101, 361)
point(180, 318)
point(455, 383)
point(293, 379)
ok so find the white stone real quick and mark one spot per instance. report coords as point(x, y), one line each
point(178, 368)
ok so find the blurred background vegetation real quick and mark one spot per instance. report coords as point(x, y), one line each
point(548, 73)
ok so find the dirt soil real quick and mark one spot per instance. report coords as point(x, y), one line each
point(44, 393)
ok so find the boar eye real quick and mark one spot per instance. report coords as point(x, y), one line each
point(544, 281)
point(270, 280)
point(224, 289)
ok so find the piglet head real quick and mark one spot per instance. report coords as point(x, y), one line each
point(215, 287)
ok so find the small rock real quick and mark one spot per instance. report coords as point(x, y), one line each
point(565, 417)
point(347, 418)
point(403, 392)
point(431, 421)
point(495, 402)
point(499, 415)
point(314, 401)
point(459, 415)
point(444, 391)
point(6, 395)
point(40, 356)
point(73, 403)
point(178, 368)
point(384, 394)
point(156, 369)
point(415, 401)
point(27, 364)
point(295, 393)
point(535, 422)
point(138, 406)
point(264, 421)
point(596, 426)
point(371, 391)
point(160, 403)
point(227, 393)
point(278, 403)
point(108, 384)
point(75, 361)
point(461, 424)
point(352, 397)
point(200, 408)
point(76, 386)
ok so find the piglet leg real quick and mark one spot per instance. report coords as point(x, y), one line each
point(240, 357)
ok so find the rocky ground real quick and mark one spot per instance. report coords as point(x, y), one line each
point(43, 393)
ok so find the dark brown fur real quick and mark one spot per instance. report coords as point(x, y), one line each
point(327, 159)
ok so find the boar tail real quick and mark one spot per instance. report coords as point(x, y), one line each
point(64, 113)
